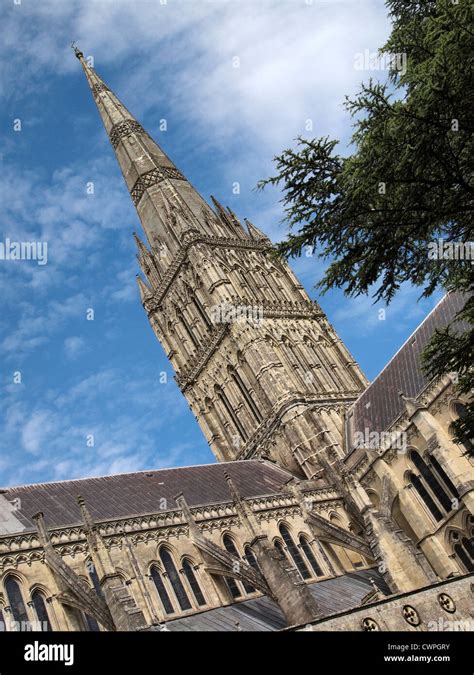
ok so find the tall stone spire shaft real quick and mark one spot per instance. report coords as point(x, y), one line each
point(157, 188)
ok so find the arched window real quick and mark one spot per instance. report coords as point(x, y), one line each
point(161, 590)
point(200, 310)
point(306, 547)
point(425, 496)
point(39, 604)
point(294, 552)
point(459, 411)
point(193, 582)
point(431, 481)
point(15, 600)
point(231, 548)
point(175, 581)
point(245, 394)
point(249, 556)
point(230, 411)
point(444, 476)
point(464, 550)
point(94, 578)
point(188, 330)
point(279, 547)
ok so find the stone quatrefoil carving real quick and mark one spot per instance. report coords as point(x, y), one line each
point(369, 625)
point(447, 603)
point(411, 616)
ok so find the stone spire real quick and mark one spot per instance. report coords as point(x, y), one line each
point(154, 183)
point(208, 285)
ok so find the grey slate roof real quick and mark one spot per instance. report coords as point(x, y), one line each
point(380, 404)
point(261, 614)
point(130, 494)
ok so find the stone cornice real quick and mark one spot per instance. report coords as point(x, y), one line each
point(193, 368)
point(26, 548)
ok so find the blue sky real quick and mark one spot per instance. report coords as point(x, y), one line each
point(173, 61)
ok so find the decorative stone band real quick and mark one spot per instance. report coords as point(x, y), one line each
point(282, 310)
point(196, 364)
point(153, 304)
point(98, 88)
point(272, 421)
point(152, 178)
point(26, 548)
point(124, 128)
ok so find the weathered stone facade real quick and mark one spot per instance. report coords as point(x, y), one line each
point(302, 494)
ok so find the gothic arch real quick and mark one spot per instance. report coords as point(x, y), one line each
point(462, 547)
point(167, 558)
point(14, 588)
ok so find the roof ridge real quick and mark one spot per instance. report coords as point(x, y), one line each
point(136, 473)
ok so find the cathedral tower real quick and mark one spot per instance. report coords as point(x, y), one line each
point(261, 367)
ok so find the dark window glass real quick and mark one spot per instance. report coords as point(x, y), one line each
point(230, 546)
point(189, 331)
point(464, 557)
point(426, 497)
point(469, 546)
point(40, 609)
point(193, 582)
point(430, 479)
point(310, 556)
point(91, 624)
point(294, 552)
point(160, 587)
point(94, 578)
point(251, 559)
point(175, 581)
point(231, 412)
point(201, 312)
point(15, 600)
point(444, 476)
point(246, 395)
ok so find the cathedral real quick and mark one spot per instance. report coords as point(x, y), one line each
point(334, 504)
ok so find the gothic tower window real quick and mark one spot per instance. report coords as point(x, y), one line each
point(38, 600)
point(189, 331)
point(174, 579)
point(245, 393)
point(200, 310)
point(294, 552)
point(15, 600)
point(431, 482)
point(230, 411)
point(307, 550)
point(161, 590)
point(193, 582)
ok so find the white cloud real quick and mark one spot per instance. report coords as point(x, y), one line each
point(74, 346)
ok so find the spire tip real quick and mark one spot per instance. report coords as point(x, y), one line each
point(77, 51)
